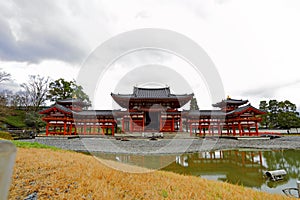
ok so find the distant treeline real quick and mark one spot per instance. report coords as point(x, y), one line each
point(280, 114)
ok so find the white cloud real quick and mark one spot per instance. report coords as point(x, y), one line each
point(254, 44)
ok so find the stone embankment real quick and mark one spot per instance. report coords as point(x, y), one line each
point(165, 145)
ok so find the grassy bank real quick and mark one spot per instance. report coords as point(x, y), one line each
point(36, 145)
point(14, 118)
point(70, 175)
point(5, 135)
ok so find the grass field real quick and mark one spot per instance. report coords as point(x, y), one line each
point(68, 175)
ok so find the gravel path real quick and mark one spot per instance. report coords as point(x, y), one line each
point(166, 146)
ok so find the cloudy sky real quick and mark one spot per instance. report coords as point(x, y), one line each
point(254, 44)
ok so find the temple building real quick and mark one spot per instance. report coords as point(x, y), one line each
point(152, 110)
point(232, 118)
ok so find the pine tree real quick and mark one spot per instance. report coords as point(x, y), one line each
point(194, 104)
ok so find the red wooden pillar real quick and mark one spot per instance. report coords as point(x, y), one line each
point(102, 129)
point(200, 129)
point(191, 130)
point(160, 124)
point(240, 129)
point(227, 127)
point(70, 130)
point(256, 128)
point(233, 129)
point(172, 127)
point(47, 129)
point(219, 128)
point(143, 124)
point(65, 127)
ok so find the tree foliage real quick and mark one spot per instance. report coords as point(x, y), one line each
point(194, 104)
point(34, 120)
point(281, 114)
point(62, 89)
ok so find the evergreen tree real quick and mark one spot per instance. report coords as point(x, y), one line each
point(281, 114)
point(62, 89)
point(263, 105)
point(194, 104)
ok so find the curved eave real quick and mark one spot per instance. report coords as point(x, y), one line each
point(55, 108)
point(124, 100)
point(77, 102)
point(248, 109)
point(205, 114)
point(226, 102)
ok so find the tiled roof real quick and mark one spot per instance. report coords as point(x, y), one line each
point(95, 112)
point(58, 107)
point(151, 93)
point(70, 101)
point(244, 108)
point(230, 101)
point(196, 113)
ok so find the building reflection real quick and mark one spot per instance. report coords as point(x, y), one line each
point(234, 166)
point(243, 167)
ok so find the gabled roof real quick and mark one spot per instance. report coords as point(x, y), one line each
point(151, 93)
point(58, 107)
point(246, 108)
point(95, 113)
point(230, 101)
point(70, 101)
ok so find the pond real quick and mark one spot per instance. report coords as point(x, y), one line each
point(244, 166)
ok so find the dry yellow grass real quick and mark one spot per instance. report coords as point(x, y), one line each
point(69, 175)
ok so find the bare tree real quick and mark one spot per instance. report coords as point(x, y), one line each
point(21, 100)
point(4, 76)
point(36, 89)
point(5, 102)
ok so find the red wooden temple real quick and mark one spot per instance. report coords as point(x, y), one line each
point(233, 118)
point(67, 117)
point(152, 110)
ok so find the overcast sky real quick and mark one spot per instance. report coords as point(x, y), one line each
point(254, 44)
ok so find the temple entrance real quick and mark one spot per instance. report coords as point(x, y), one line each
point(151, 122)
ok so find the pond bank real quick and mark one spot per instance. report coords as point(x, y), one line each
point(165, 146)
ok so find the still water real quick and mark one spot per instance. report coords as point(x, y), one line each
point(243, 167)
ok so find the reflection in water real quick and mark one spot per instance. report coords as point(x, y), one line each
point(238, 167)
point(243, 167)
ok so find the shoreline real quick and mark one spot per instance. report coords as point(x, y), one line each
point(166, 146)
